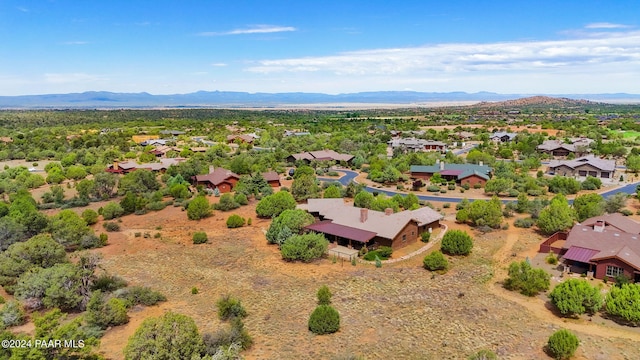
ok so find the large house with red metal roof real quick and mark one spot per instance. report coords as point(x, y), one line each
point(607, 245)
point(470, 174)
point(129, 166)
point(347, 225)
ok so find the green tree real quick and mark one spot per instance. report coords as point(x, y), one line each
point(113, 210)
point(198, 208)
point(68, 228)
point(562, 344)
point(523, 204)
point(324, 320)
point(564, 185)
point(104, 183)
point(305, 247)
point(623, 303)
point(588, 205)
point(293, 220)
point(457, 242)
point(230, 307)
point(138, 182)
point(90, 216)
point(227, 202)
point(274, 205)
point(575, 297)
point(170, 337)
point(324, 295)
point(332, 192)
point(76, 172)
point(85, 188)
point(41, 251)
point(435, 262)
point(305, 187)
point(363, 199)
point(633, 163)
point(498, 185)
point(525, 279)
point(56, 286)
point(558, 216)
point(615, 202)
point(101, 314)
point(486, 213)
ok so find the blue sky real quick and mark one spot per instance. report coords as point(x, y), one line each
point(167, 47)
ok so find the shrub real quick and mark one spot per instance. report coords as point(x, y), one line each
point(108, 283)
point(111, 226)
point(235, 221)
point(305, 247)
point(562, 344)
point(575, 297)
point(112, 210)
point(378, 262)
point(249, 222)
point(385, 252)
point(524, 223)
point(200, 237)
point(433, 188)
point(623, 302)
point(477, 186)
point(12, 314)
point(451, 187)
point(525, 279)
point(324, 320)
point(274, 205)
point(230, 307)
point(194, 290)
point(626, 212)
point(90, 216)
point(425, 237)
point(241, 199)
point(155, 205)
point(435, 262)
point(139, 295)
point(324, 295)
point(198, 208)
point(484, 355)
point(227, 202)
point(456, 242)
point(236, 338)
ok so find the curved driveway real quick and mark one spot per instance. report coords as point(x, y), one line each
point(351, 175)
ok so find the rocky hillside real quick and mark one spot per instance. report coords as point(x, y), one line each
point(537, 101)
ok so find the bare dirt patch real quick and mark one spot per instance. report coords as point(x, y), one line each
point(399, 311)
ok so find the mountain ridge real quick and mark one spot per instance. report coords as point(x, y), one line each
point(106, 99)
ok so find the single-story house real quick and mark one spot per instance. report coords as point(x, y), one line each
point(607, 246)
point(272, 178)
point(350, 226)
point(129, 166)
point(585, 166)
point(172, 132)
point(502, 136)
point(460, 173)
point(220, 178)
point(413, 144)
point(462, 135)
point(321, 155)
point(162, 150)
point(247, 138)
point(296, 133)
point(560, 148)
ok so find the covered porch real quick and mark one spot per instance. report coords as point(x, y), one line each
point(342, 235)
point(578, 260)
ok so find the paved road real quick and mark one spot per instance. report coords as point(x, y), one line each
point(351, 175)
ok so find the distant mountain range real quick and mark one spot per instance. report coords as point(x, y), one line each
point(229, 99)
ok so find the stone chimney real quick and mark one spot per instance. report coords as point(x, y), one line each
point(441, 165)
point(388, 211)
point(115, 165)
point(364, 214)
point(480, 163)
point(211, 168)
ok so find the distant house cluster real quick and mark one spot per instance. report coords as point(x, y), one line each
point(607, 245)
point(585, 166)
point(460, 173)
point(321, 155)
point(354, 227)
point(244, 138)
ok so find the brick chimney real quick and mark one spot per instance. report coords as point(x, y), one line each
point(364, 214)
point(388, 211)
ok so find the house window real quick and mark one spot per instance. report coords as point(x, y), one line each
point(604, 174)
point(413, 233)
point(613, 271)
point(404, 237)
point(582, 173)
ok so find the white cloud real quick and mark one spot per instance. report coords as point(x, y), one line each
point(606, 25)
point(23, 9)
point(219, 64)
point(612, 48)
point(256, 29)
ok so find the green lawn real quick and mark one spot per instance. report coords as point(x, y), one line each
point(630, 134)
